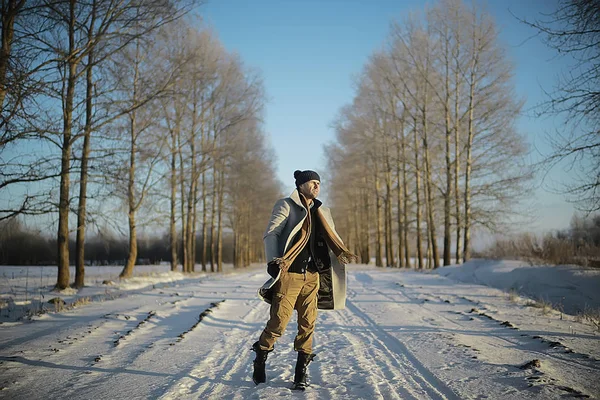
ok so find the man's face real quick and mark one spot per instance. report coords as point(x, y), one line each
point(310, 189)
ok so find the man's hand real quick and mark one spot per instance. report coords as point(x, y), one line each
point(281, 263)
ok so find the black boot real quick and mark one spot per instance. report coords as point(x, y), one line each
point(260, 375)
point(304, 359)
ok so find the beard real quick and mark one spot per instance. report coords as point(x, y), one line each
point(310, 194)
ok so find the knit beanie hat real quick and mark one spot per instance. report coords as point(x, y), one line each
point(305, 176)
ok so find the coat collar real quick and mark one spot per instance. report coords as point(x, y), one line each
point(295, 196)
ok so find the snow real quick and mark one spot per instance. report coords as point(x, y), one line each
point(452, 333)
point(567, 287)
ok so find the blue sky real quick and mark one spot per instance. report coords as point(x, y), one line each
point(309, 53)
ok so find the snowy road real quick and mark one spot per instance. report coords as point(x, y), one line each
point(403, 335)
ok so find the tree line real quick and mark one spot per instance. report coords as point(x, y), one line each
point(428, 150)
point(20, 245)
point(125, 114)
point(578, 244)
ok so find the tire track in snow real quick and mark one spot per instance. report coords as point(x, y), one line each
point(76, 351)
point(512, 339)
point(497, 336)
point(66, 326)
point(228, 356)
point(77, 359)
point(122, 354)
point(76, 343)
point(401, 358)
point(370, 359)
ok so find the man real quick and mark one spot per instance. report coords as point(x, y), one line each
point(306, 259)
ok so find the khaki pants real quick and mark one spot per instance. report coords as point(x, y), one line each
point(293, 291)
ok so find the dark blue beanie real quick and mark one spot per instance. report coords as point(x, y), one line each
point(305, 176)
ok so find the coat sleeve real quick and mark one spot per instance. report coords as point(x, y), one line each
point(272, 237)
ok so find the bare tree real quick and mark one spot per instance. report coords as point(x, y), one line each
point(81, 209)
point(447, 21)
point(58, 43)
point(10, 10)
point(111, 27)
point(22, 63)
point(169, 111)
point(141, 82)
point(413, 89)
point(573, 30)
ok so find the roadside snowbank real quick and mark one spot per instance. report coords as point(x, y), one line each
point(26, 290)
point(574, 289)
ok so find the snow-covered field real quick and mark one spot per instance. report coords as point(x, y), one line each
point(403, 335)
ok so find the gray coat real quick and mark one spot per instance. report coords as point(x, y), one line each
point(285, 222)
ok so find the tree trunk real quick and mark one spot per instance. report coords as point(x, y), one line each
point(204, 238)
point(407, 260)
point(9, 14)
point(378, 238)
point(247, 246)
point(195, 176)
point(429, 253)
point(236, 263)
point(189, 232)
point(63, 207)
point(85, 154)
point(457, 168)
point(355, 229)
point(400, 195)
point(399, 199)
point(132, 256)
point(467, 241)
point(470, 134)
point(418, 197)
point(366, 218)
point(213, 215)
point(448, 194)
point(194, 230)
point(220, 222)
point(173, 182)
point(182, 169)
point(188, 227)
point(389, 242)
point(428, 188)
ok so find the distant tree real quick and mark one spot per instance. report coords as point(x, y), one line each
point(249, 195)
point(585, 231)
point(20, 245)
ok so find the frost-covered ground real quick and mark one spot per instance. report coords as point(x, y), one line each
point(403, 335)
point(25, 290)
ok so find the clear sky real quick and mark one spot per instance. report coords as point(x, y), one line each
point(310, 51)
